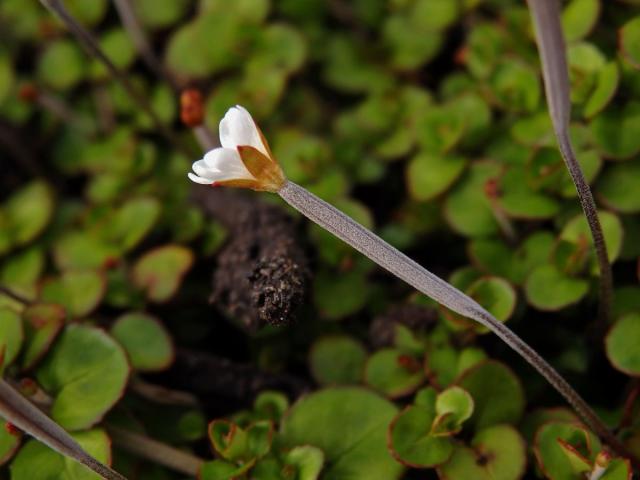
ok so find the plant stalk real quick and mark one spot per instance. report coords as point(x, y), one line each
point(156, 452)
point(27, 417)
point(391, 259)
point(92, 46)
point(546, 21)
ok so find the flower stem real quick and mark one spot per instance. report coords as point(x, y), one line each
point(29, 418)
point(92, 46)
point(546, 16)
point(155, 451)
point(390, 258)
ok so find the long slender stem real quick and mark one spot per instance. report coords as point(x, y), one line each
point(390, 258)
point(92, 46)
point(156, 452)
point(546, 16)
point(29, 418)
point(135, 31)
point(14, 296)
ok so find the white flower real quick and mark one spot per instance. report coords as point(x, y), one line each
point(244, 160)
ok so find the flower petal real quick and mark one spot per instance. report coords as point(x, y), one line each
point(220, 164)
point(238, 128)
point(202, 169)
point(197, 179)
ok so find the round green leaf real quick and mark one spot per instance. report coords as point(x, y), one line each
point(516, 87)
point(22, 270)
point(88, 13)
point(505, 450)
point(147, 343)
point(29, 211)
point(496, 295)
point(547, 288)
point(62, 65)
point(497, 394)
point(349, 425)
point(81, 250)
point(80, 292)
point(86, 372)
point(337, 359)
point(42, 324)
point(133, 221)
point(614, 131)
point(564, 450)
point(453, 406)
point(577, 231)
point(337, 296)
point(11, 335)
point(579, 18)
point(160, 13)
point(467, 208)
point(393, 372)
point(440, 129)
point(307, 460)
point(36, 461)
point(622, 344)
point(629, 38)
point(118, 46)
point(410, 440)
point(280, 46)
point(618, 187)
point(429, 175)
point(160, 271)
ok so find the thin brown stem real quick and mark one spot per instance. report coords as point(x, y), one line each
point(137, 34)
point(162, 395)
point(92, 46)
point(546, 21)
point(155, 451)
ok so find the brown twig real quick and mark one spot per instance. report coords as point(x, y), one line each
point(14, 296)
point(92, 46)
point(162, 395)
point(155, 451)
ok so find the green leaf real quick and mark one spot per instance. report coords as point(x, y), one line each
point(622, 344)
point(337, 359)
point(497, 394)
point(6, 76)
point(36, 461)
point(78, 291)
point(496, 295)
point(156, 14)
point(88, 13)
point(498, 453)
point(453, 407)
point(280, 47)
point(429, 175)
point(410, 46)
point(563, 449)
point(393, 372)
point(22, 270)
point(617, 187)
point(579, 17)
point(29, 210)
point(339, 296)
point(11, 335)
point(547, 288)
point(629, 38)
point(133, 221)
point(577, 231)
point(467, 208)
point(614, 131)
point(146, 341)
point(349, 425)
point(271, 405)
point(42, 324)
point(86, 372)
point(160, 271)
point(62, 65)
point(516, 87)
point(118, 46)
point(221, 470)
point(81, 250)
point(440, 129)
point(604, 91)
point(229, 440)
point(410, 440)
point(618, 469)
point(307, 460)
